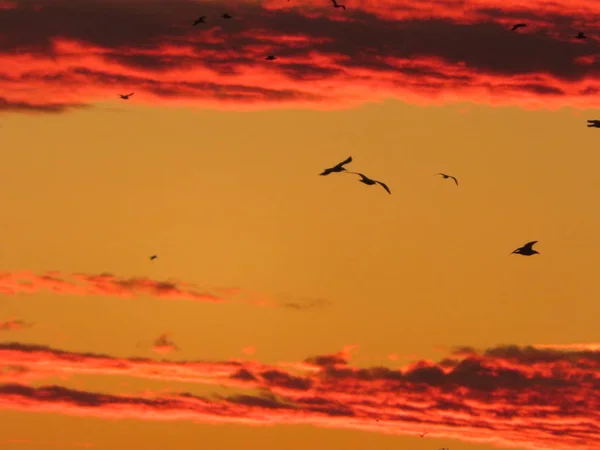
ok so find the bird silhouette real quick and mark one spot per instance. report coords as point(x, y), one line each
point(125, 97)
point(271, 58)
point(593, 124)
point(338, 167)
point(422, 434)
point(153, 257)
point(337, 5)
point(517, 26)
point(200, 19)
point(580, 35)
point(527, 250)
point(370, 182)
point(226, 16)
point(448, 176)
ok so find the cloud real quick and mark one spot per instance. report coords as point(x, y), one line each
point(103, 284)
point(249, 350)
point(14, 325)
point(507, 396)
point(303, 304)
point(582, 346)
point(164, 345)
point(435, 52)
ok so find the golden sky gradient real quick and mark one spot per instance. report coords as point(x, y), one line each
point(287, 309)
point(234, 200)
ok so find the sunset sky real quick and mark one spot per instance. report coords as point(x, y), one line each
point(287, 309)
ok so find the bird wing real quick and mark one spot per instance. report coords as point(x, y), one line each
point(364, 177)
point(455, 180)
point(346, 161)
point(442, 174)
point(383, 185)
point(129, 95)
point(529, 245)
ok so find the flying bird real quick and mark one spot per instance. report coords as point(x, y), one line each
point(448, 176)
point(369, 182)
point(153, 257)
point(422, 434)
point(580, 35)
point(517, 26)
point(593, 123)
point(226, 16)
point(200, 19)
point(337, 5)
point(125, 97)
point(338, 167)
point(271, 58)
point(526, 250)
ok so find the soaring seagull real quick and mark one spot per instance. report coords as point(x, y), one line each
point(338, 167)
point(527, 250)
point(125, 97)
point(370, 182)
point(448, 176)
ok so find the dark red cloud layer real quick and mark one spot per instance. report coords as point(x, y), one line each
point(510, 396)
point(57, 55)
point(103, 284)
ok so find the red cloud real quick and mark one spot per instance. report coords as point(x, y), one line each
point(508, 396)
point(104, 284)
point(14, 325)
point(164, 345)
point(433, 52)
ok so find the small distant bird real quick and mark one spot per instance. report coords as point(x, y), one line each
point(517, 26)
point(580, 35)
point(226, 16)
point(370, 182)
point(593, 123)
point(271, 58)
point(448, 176)
point(422, 434)
point(125, 97)
point(526, 250)
point(336, 5)
point(200, 19)
point(153, 257)
point(338, 167)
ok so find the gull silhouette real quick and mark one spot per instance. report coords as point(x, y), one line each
point(580, 35)
point(271, 58)
point(370, 182)
point(336, 5)
point(527, 250)
point(517, 26)
point(226, 16)
point(593, 124)
point(338, 167)
point(153, 257)
point(448, 176)
point(422, 434)
point(200, 19)
point(125, 97)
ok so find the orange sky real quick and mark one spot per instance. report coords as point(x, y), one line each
point(287, 309)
